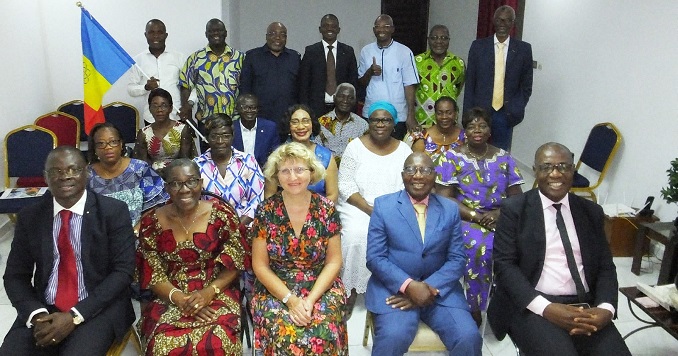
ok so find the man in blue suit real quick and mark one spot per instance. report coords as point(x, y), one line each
point(253, 135)
point(416, 266)
point(484, 83)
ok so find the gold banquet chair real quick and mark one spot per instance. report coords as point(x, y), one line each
point(598, 154)
point(425, 339)
point(26, 149)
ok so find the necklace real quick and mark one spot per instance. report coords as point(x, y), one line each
point(477, 157)
point(178, 218)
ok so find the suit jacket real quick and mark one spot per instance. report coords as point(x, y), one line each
point(517, 79)
point(313, 74)
point(519, 250)
point(395, 250)
point(266, 141)
point(107, 252)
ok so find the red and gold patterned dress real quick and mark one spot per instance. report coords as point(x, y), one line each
point(189, 266)
point(298, 261)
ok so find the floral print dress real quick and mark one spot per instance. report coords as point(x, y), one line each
point(298, 261)
point(163, 150)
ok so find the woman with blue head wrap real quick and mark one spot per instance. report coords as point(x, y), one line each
point(370, 167)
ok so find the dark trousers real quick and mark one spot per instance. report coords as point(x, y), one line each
point(399, 131)
point(502, 131)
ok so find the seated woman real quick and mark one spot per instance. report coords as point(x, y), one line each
point(232, 174)
point(165, 139)
point(299, 124)
point(192, 252)
point(298, 302)
point(478, 176)
point(444, 134)
point(370, 167)
point(123, 178)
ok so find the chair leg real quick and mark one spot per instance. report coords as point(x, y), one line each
point(368, 326)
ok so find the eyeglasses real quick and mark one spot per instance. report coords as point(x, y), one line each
point(383, 26)
point(380, 120)
point(176, 185)
point(277, 34)
point(102, 144)
point(547, 168)
point(441, 38)
point(296, 170)
point(220, 137)
point(248, 107)
point(424, 171)
point(158, 107)
point(304, 121)
point(63, 173)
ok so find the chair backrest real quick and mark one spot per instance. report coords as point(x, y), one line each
point(76, 108)
point(66, 127)
point(125, 117)
point(26, 149)
point(601, 147)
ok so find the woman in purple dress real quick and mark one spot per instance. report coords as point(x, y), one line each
point(477, 176)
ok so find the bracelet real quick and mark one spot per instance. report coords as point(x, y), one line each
point(473, 214)
point(174, 290)
point(287, 297)
point(216, 289)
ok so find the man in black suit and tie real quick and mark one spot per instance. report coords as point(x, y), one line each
point(556, 282)
point(499, 77)
point(252, 134)
point(325, 65)
point(70, 267)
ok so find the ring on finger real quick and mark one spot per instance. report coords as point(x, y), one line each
point(54, 341)
point(196, 306)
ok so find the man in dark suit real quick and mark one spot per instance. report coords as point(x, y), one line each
point(70, 267)
point(416, 265)
point(499, 77)
point(317, 84)
point(556, 282)
point(252, 134)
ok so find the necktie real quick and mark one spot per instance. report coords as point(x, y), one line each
point(421, 218)
point(571, 264)
point(499, 71)
point(331, 83)
point(67, 287)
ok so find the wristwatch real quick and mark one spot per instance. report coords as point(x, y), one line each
point(286, 298)
point(473, 214)
point(77, 319)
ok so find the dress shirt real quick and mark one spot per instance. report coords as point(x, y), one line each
point(397, 71)
point(249, 137)
point(335, 135)
point(165, 68)
point(436, 81)
point(555, 278)
point(413, 201)
point(329, 99)
point(78, 210)
point(506, 47)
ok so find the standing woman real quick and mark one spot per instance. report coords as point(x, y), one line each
point(298, 303)
point(192, 254)
point(444, 134)
point(127, 179)
point(299, 124)
point(478, 176)
point(370, 167)
point(165, 139)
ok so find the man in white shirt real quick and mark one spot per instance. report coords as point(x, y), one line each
point(252, 134)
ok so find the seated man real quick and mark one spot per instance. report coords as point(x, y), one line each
point(416, 267)
point(70, 267)
point(252, 134)
point(556, 282)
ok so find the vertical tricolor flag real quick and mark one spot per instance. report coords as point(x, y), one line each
point(104, 62)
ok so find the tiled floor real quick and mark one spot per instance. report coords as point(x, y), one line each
point(653, 342)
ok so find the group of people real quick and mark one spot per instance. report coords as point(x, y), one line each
point(317, 205)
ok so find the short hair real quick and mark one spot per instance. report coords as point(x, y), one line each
point(505, 8)
point(182, 162)
point(161, 93)
point(152, 21)
point(215, 21)
point(552, 145)
point(475, 113)
point(345, 85)
point(287, 116)
point(91, 146)
point(242, 97)
point(217, 121)
point(293, 151)
point(385, 17)
point(329, 16)
point(448, 99)
point(442, 27)
point(69, 149)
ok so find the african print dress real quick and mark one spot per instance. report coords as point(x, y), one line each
point(190, 266)
point(433, 149)
point(298, 261)
point(163, 150)
point(481, 186)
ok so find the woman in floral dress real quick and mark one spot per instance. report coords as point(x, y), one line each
point(298, 303)
point(478, 176)
point(192, 254)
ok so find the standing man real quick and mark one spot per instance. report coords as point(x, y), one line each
point(388, 71)
point(70, 267)
point(499, 77)
point(339, 126)
point(156, 68)
point(270, 72)
point(556, 282)
point(441, 73)
point(416, 255)
point(214, 73)
point(252, 134)
point(326, 64)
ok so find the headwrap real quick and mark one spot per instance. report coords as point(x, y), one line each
point(384, 105)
